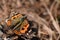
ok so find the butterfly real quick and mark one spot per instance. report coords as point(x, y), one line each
point(18, 24)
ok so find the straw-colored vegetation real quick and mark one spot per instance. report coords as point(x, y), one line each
point(46, 13)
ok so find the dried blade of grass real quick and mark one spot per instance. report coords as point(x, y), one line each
point(58, 38)
point(48, 29)
point(52, 19)
point(50, 37)
point(39, 31)
point(55, 9)
point(52, 6)
point(19, 3)
point(54, 22)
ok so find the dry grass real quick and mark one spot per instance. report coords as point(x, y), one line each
point(42, 12)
